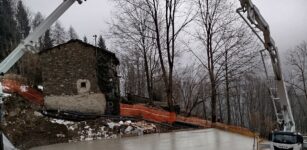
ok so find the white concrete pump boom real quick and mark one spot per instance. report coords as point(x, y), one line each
point(28, 44)
point(280, 99)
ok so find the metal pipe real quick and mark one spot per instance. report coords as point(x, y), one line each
point(28, 42)
point(238, 11)
point(265, 69)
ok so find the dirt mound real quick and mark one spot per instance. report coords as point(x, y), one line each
point(26, 127)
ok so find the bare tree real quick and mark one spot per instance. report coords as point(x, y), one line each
point(258, 106)
point(189, 90)
point(227, 47)
point(132, 32)
point(298, 61)
point(166, 28)
point(59, 34)
point(214, 16)
point(37, 20)
point(240, 55)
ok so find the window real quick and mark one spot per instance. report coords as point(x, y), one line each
point(285, 138)
point(83, 84)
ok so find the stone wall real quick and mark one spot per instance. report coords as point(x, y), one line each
point(88, 103)
point(108, 80)
point(75, 71)
point(64, 65)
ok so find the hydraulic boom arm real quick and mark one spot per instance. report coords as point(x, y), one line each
point(28, 44)
point(281, 102)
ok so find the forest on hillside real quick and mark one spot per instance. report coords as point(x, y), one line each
point(198, 54)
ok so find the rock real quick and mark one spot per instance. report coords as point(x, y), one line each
point(121, 122)
point(37, 114)
point(60, 135)
point(12, 113)
point(116, 129)
point(128, 129)
point(111, 124)
point(88, 139)
point(82, 138)
point(113, 136)
point(137, 131)
point(123, 128)
point(128, 122)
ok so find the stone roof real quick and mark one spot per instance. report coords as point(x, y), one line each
point(85, 44)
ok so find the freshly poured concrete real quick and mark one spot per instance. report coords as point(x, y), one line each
point(208, 139)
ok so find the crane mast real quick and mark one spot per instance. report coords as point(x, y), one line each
point(279, 94)
point(28, 44)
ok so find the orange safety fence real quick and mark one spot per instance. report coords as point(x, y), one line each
point(159, 115)
point(234, 129)
point(152, 114)
point(30, 94)
point(194, 121)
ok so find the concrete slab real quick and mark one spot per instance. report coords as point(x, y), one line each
point(208, 139)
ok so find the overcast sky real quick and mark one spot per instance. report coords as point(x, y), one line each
point(287, 18)
point(88, 19)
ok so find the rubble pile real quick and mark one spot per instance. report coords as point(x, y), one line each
point(105, 129)
point(25, 127)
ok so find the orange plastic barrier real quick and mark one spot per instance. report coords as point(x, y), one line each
point(158, 115)
point(152, 114)
point(30, 94)
point(234, 129)
point(195, 121)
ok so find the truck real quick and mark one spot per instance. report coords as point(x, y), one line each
point(285, 137)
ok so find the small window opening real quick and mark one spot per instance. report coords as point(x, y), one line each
point(83, 84)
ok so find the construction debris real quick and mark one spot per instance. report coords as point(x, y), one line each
point(105, 129)
point(26, 127)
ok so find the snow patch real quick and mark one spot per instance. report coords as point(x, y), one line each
point(112, 124)
point(63, 122)
point(23, 88)
point(40, 87)
point(60, 135)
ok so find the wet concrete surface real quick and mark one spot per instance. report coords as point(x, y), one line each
point(208, 139)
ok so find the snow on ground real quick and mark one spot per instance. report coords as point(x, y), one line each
point(40, 87)
point(63, 122)
point(105, 129)
point(24, 88)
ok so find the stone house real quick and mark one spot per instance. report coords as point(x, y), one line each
point(80, 77)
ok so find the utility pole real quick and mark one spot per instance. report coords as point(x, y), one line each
point(95, 38)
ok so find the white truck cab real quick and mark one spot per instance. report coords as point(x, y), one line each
point(281, 140)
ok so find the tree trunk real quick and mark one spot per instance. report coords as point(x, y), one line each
point(227, 89)
point(147, 73)
point(205, 110)
point(213, 103)
point(220, 108)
